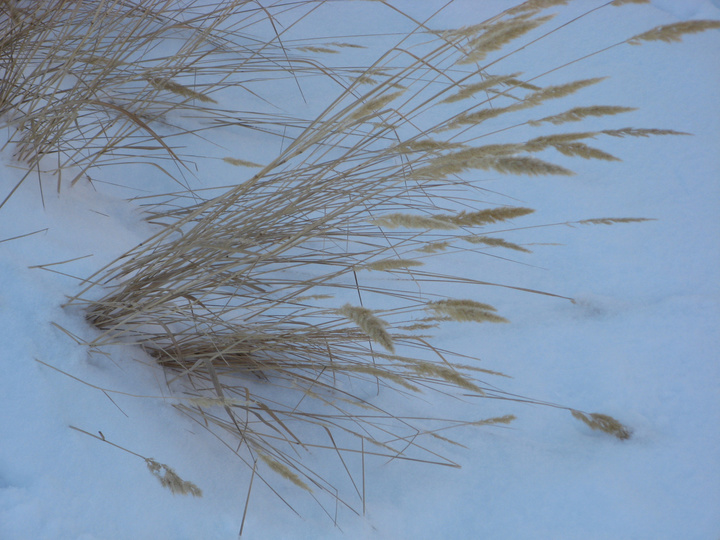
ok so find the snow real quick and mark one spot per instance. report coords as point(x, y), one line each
point(640, 343)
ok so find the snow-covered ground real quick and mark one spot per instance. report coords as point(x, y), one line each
point(640, 343)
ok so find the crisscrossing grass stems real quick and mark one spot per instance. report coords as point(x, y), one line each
point(268, 301)
point(88, 83)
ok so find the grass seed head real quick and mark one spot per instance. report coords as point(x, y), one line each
point(466, 310)
point(603, 422)
point(372, 325)
point(169, 479)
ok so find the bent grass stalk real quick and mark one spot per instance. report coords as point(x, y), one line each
point(165, 474)
point(245, 296)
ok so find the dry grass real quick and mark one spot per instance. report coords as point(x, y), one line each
point(258, 300)
point(90, 84)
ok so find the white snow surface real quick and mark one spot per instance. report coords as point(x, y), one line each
point(640, 343)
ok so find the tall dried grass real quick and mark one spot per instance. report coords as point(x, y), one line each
point(90, 84)
point(260, 299)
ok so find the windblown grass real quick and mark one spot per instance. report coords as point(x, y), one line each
point(261, 300)
point(90, 84)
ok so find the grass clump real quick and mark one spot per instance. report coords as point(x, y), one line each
point(93, 84)
point(251, 296)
